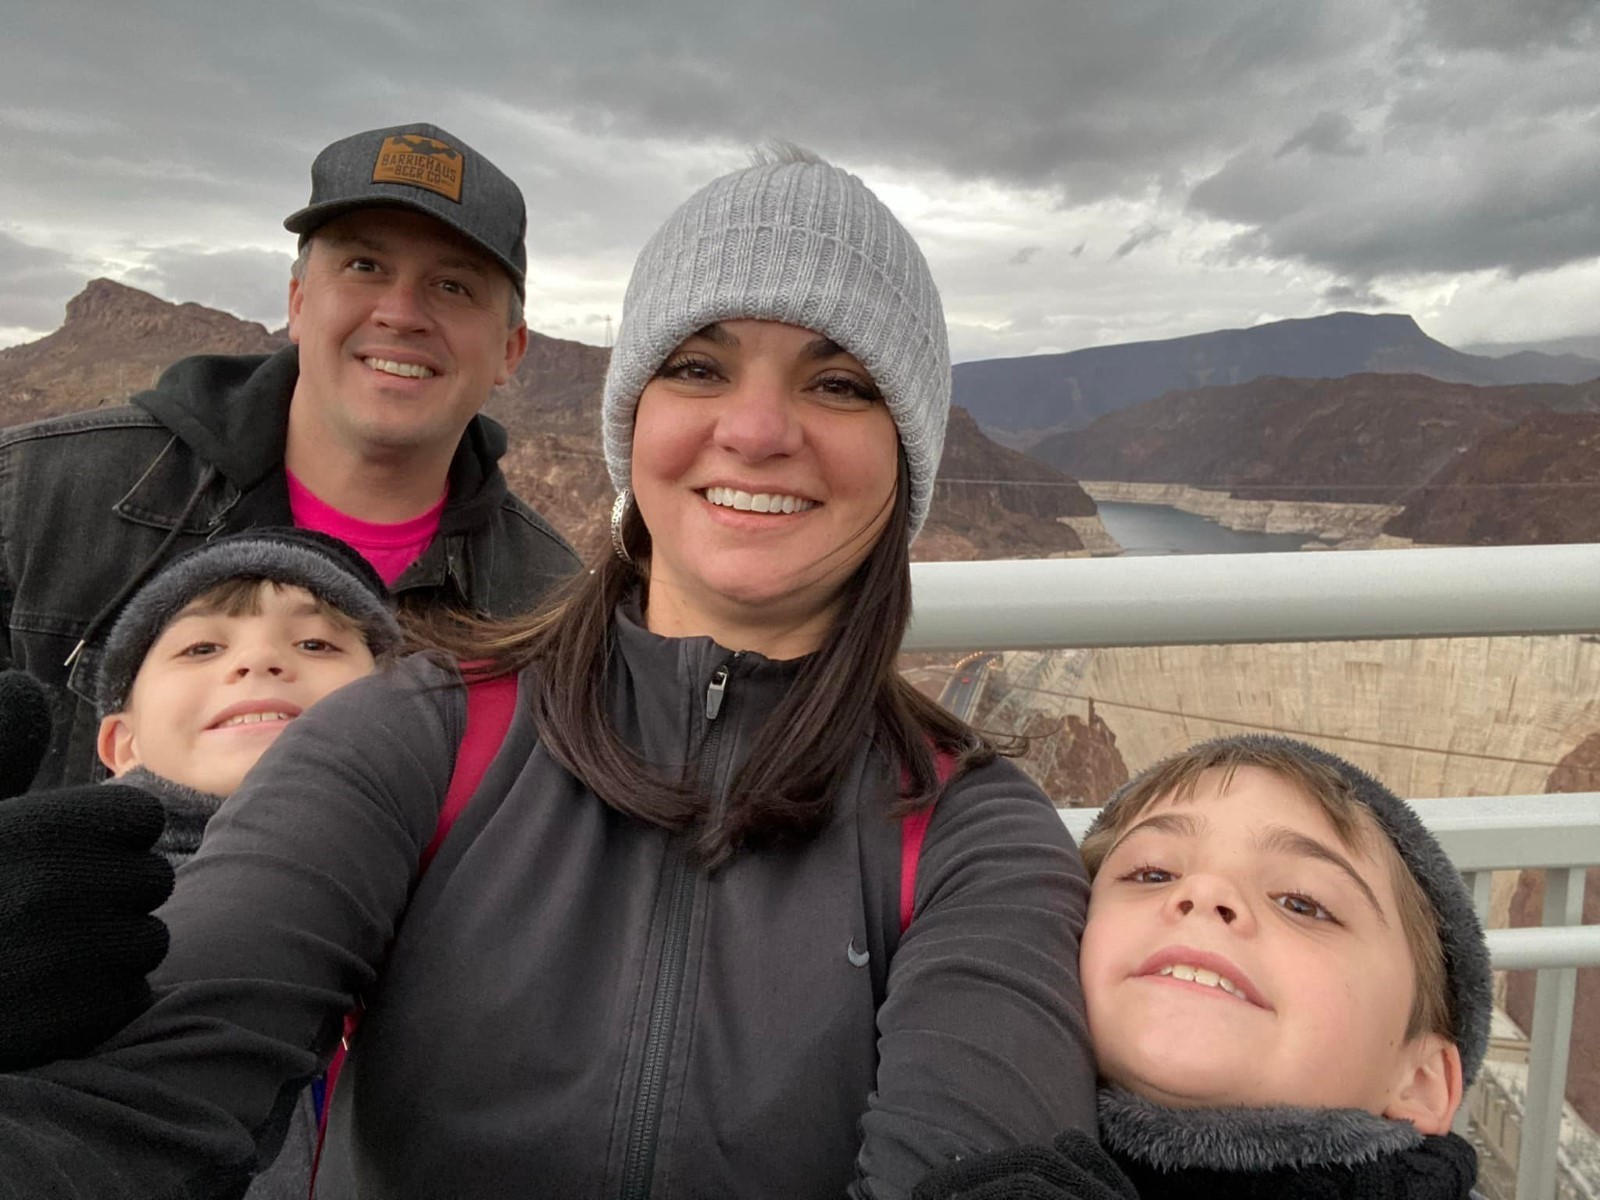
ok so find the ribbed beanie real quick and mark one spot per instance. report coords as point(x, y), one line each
point(807, 244)
point(1466, 954)
point(326, 567)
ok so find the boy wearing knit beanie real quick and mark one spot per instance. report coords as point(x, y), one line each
point(1287, 990)
point(215, 655)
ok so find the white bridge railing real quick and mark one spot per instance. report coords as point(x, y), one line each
point(1340, 596)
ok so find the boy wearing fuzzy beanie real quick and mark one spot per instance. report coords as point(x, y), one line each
point(212, 658)
point(1287, 988)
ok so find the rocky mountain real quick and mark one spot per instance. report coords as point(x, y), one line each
point(556, 389)
point(1363, 438)
point(987, 495)
point(1016, 481)
point(1537, 481)
point(116, 340)
point(551, 411)
point(1038, 394)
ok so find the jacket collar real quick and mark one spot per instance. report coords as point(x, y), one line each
point(231, 410)
point(188, 810)
point(670, 680)
point(1246, 1139)
point(1279, 1154)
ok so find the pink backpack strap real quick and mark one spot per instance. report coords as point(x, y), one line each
point(912, 832)
point(491, 703)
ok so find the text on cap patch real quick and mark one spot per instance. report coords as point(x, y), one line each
point(423, 162)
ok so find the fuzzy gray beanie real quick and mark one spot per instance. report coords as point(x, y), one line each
point(326, 567)
point(1470, 981)
point(807, 244)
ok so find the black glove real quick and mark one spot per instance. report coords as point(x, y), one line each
point(1073, 1167)
point(78, 881)
point(24, 731)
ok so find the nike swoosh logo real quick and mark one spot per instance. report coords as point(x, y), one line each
point(858, 958)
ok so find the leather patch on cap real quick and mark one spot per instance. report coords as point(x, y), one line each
point(422, 162)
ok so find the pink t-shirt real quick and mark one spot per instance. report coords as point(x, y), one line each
point(389, 548)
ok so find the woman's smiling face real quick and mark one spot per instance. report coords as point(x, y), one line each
point(1239, 952)
point(765, 465)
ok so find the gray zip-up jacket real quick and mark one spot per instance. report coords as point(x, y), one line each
point(92, 502)
point(563, 1004)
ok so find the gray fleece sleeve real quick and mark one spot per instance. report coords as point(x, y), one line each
point(278, 923)
point(983, 1042)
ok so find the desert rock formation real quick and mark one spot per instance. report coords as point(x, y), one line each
point(1537, 482)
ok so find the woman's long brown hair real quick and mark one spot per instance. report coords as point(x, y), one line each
point(846, 691)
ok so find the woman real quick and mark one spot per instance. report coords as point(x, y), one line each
point(660, 952)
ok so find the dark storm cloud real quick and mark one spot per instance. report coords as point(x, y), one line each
point(1363, 137)
point(37, 282)
point(1327, 133)
point(1024, 256)
point(1511, 28)
point(1085, 98)
point(1507, 210)
point(1342, 295)
point(1142, 236)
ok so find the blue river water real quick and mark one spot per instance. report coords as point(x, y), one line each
point(1162, 529)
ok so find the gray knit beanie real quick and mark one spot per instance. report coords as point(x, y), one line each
point(807, 244)
point(325, 566)
point(1466, 954)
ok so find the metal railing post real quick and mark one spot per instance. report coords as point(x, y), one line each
point(1555, 992)
point(1481, 885)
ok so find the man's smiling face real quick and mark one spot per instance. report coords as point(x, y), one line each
point(403, 328)
point(1238, 952)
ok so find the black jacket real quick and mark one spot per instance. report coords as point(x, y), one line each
point(1153, 1152)
point(92, 501)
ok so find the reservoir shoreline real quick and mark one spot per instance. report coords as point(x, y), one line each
point(1163, 529)
point(1342, 523)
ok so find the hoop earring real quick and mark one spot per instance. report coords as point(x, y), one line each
point(619, 510)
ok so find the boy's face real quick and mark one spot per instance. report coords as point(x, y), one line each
point(216, 690)
point(1255, 888)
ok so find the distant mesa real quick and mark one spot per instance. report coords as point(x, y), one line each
point(1046, 393)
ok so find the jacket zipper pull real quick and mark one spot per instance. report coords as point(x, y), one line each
point(714, 693)
point(76, 650)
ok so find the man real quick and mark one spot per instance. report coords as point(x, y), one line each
point(405, 312)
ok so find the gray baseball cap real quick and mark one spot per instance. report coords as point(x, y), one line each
point(427, 170)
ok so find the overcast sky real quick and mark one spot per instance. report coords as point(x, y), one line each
point(1079, 172)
